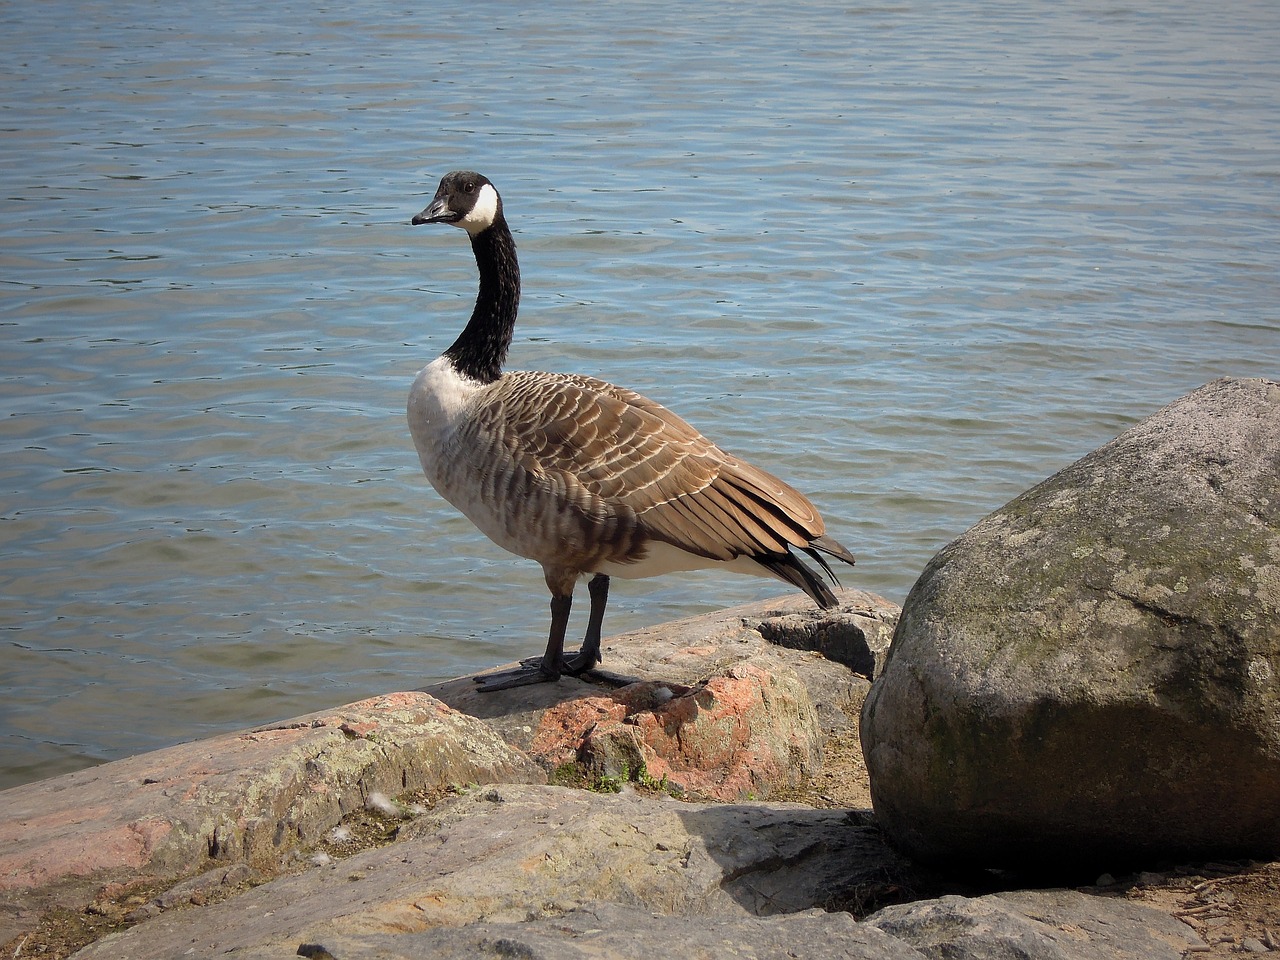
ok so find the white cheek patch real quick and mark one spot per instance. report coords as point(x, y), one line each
point(483, 213)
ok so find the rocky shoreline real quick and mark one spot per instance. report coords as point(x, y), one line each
point(401, 826)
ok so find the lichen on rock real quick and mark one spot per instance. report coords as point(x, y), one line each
point(1087, 671)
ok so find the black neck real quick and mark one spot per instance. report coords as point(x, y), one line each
point(481, 348)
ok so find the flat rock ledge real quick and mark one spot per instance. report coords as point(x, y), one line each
point(219, 848)
point(519, 871)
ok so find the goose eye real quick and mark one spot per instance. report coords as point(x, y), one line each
point(469, 186)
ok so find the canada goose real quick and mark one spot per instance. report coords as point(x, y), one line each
point(582, 476)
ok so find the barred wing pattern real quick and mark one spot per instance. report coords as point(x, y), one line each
point(601, 466)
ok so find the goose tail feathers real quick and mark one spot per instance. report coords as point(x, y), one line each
point(832, 547)
point(789, 567)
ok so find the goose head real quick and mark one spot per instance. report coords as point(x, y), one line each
point(464, 199)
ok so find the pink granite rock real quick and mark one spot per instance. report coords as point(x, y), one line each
point(739, 734)
point(253, 796)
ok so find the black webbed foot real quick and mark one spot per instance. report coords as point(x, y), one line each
point(584, 661)
point(529, 672)
point(534, 670)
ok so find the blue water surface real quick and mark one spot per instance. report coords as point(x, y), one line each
point(913, 258)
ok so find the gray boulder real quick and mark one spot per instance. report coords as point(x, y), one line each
point(1090, 673)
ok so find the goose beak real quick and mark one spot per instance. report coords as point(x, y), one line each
point(438, 212)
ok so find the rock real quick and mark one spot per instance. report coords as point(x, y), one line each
point(526, 871)
point(251, 797)
point(1036, 925)
point(739, 734)
point(513, 854)
point(610, 930)
point(716, 707)
point(739, 721)
point(1090, 674)
point(852, 639)
point(200, 888)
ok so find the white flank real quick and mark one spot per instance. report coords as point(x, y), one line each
point(662, 558)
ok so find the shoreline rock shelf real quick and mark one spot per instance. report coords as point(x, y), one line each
point(223, 847)
point(563, 871)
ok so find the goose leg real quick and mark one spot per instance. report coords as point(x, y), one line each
point(589, 655)
point(548, 667)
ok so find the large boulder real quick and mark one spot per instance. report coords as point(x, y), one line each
point(1090, 673)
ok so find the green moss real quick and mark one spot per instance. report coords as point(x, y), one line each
point(573, 774)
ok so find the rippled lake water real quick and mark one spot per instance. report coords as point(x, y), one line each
point(913, 257)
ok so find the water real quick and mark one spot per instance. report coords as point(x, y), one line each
point(913, 257)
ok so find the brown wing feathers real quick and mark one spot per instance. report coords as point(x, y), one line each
point(624, 453)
